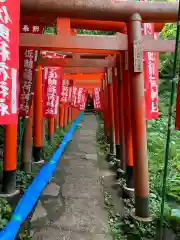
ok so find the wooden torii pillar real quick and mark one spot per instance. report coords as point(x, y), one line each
point(138, 120)
point(38, 116)
point(112, 150)
point(63, 27)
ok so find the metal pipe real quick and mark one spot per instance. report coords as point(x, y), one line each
point(102, 10)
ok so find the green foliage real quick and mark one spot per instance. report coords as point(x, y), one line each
point(157, 130)
point(50, 30)
point(123, 227)
point(5, 212)
point(59, 134)
point(166, 59)
point(94, 32)
point(23, 180)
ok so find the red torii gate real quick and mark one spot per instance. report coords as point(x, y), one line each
point(92, 43)
point(134, 43)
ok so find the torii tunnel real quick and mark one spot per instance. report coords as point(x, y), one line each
point(112, 63)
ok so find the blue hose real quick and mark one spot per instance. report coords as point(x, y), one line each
point(32, 194)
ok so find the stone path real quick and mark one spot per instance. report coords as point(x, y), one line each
point(72, 205)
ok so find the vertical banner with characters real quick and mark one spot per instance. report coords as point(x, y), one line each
point(150, 76)
point(28, 59)
point(97, 99)
point(9, 60)
point(84, 97)
point(52, 78)
point(64, 92)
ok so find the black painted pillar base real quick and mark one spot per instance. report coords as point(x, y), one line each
point(129, 187)
point(111, 148)
point(123, 161)
point(37, 153)
point(118, 156)
point(142, 207)
point(129, 175)
point(118, 152)
point(118, 175)
point(108, 139)
point(50, 139)
point(118, 161)
point(9, 182)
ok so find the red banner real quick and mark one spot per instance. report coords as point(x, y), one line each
point(28, 59)
point(97, 99)
point(83, 100)
point(51, 85)
point(150, 77)
point(29, 28)
point(64, 92)
point(9, 60)
point(74, 96)
point(79, 96)
point(154, 84)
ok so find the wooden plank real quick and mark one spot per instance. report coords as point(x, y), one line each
point(159, 45)
point(87, 78)
point(97, 85)
point(72, 62)
point(82, 70)
point(91, 44)
point(98, 44)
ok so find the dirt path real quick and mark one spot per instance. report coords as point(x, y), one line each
point(72, 205)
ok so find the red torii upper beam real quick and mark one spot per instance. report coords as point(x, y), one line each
point(109, 10)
